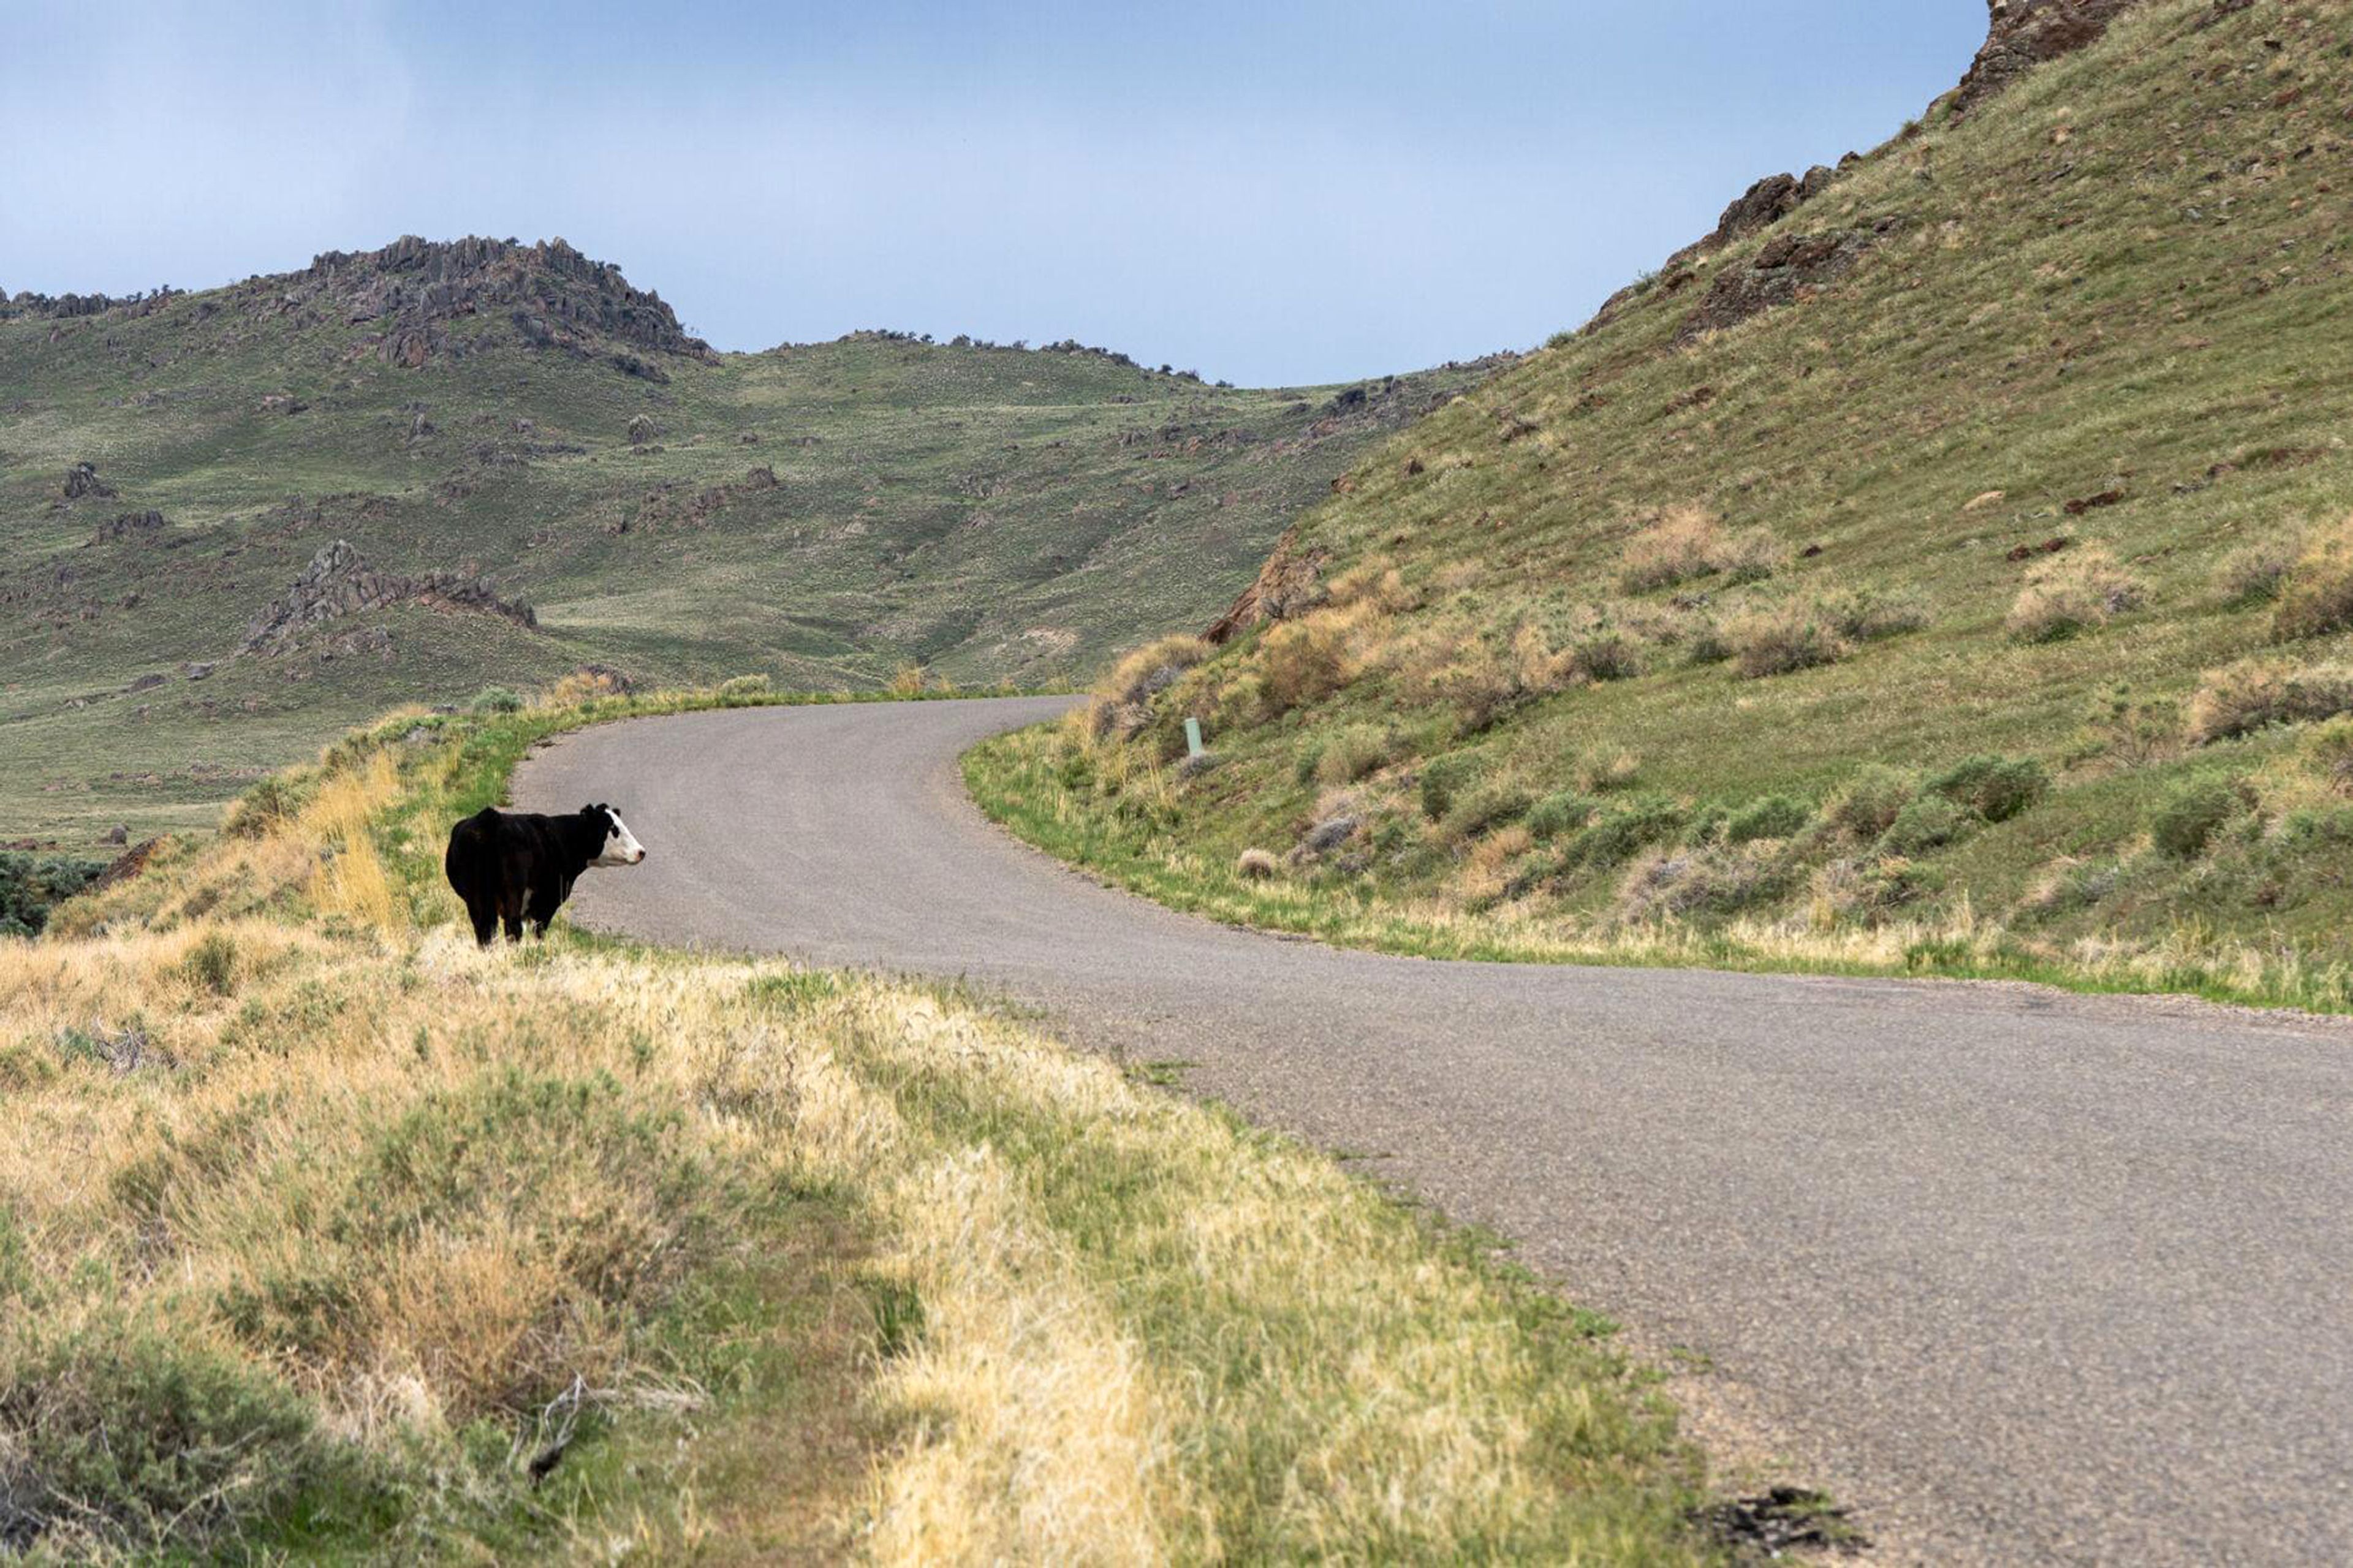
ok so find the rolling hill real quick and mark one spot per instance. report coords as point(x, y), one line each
point(243, 519)
point(1946, 564)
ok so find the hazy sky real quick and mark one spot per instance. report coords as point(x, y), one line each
point(1269, 192)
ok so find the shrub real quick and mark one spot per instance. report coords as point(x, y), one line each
point(2316, 595)
point(2330, 751)
point(2133, 729)
point(1926, 823)
point(1995, 788)
point(742, 686)
point(31, 886)
point(2079, 593)
point(1634, 825)
point(2254, 573)
point(1871, 802)
point(1686, 542)
point(1306, 660)
point(1709, 644)
point(1255, 864)
point(1566, 812)
point(496, 699)
point(211, 963)
point(266, 807)
point(144, 1441)
point(1606, 655)
point(1609, 771)
point(1782, 641)
point(2188, 817)
point(1674, 883)
point(1867, 615)
point(1487, 806)
point(2242, 698)
point(1352, 753)
point(1752, 555)
point(1774, 817)
point(1440, 780)
point(1149, 670)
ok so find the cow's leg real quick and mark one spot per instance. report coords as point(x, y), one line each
point(513, 896)
point(484, 913)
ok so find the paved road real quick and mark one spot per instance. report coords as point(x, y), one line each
point(2030, 1278)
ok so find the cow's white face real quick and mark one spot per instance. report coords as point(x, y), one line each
point(621, 845)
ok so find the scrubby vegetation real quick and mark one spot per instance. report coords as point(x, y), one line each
point(1986, 549)
point(324, 1233)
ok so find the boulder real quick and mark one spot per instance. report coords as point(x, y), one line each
point(2023, 34)
point(82, 480)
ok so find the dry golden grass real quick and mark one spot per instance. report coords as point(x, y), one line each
point(2316, 594)
point(383, 1187)
point(2080, 592)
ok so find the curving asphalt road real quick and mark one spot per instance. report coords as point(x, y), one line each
point(2027, 1277)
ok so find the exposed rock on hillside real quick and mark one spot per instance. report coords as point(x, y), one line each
point(1290, 584)
point(1789, 267)
point(82, 480)
point(554, 296)
point(339, 582)
point(129, 525)
point(2025, 33)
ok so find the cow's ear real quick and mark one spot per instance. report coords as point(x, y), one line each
point(586, 810)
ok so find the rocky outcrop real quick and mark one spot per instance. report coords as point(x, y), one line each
point(552, 295)
point(82, 480)
point(338, 582)
point(1786, 268)
point(129, 525)
point(2024, 34)
point(1290, 584)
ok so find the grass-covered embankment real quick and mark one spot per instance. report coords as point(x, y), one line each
point(1980, 605)
point(324, 1229)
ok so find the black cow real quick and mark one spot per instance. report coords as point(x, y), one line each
point(515, 866)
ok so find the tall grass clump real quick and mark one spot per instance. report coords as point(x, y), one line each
point(2080, 592)
point(1783, 640)
point(2253, 694)
point(2315, 595)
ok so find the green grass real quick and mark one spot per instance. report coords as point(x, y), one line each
point(2113, 279)
point(985, 514)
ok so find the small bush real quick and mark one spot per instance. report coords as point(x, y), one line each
point(1872, 800)
point(1868, 614)
point(2249, 696)
point(211, 963)
point(2330, 752)
point(1686, 542)
point(1142, 675)
point(266, 807)
point(1555, 815)
point(1995, 788)
point(2316, 595)
point(743, 685)
point(1440, 781)
point(2080, 592)
point(146, 1442)
point(1488, 807)
point(1306, 660)
point(1606, 655)
point(1928, 823)
point(1751, 556)
point(496, 699)
point(1256, 865)
point(1353, 753)
point(1774, 817)
point(1606, 771)
point(2189, 816)
point(1782, 641)
point(30, 886)
point(1683, 883)
point(1625, 829)
point(2256, 574)
point(1708, 644)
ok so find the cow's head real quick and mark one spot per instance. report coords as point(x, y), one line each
point(621, 847)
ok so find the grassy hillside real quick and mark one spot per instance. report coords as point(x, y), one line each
point(1955, 572)
point(826, 514)
point(324, 1234)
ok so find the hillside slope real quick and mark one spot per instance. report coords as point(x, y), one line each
point(1951, 551)
point(535, 468)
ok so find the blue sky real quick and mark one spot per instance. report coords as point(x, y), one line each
point(1270, 193)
